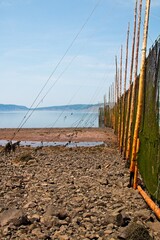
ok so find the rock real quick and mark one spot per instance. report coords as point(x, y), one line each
point(60, 196)
point(58, 235)
point(6, 231)
point(119, 220)
point(14, 216)
point(135, 232)
point(118, 207)
point(61, 222)
point(107, 219)
point(25, 157)
point(154, 226)
point(107, 232)
point(101, 233)
point(62, 215)
point(35, 217)
point(30, 204)
point(88, 226)
point(110, 226)
point(64, 237)
point(47, 221)
point(143, 214)
point(31, 162)
point(104, 181)
point(50, 210)
point(37, 232)
point(98, 166)
point(122, 220)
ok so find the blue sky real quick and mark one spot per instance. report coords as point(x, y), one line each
point(34, 35)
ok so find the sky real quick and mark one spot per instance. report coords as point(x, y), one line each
point(36, 34)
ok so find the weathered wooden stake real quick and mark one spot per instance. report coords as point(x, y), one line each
point(123, 98)
point(134, 86)
point(130, 82)
point(105, 120)
point(120, 100)
point(140, 93)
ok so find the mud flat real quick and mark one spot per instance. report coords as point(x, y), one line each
point(59, 134)
point(70, 193)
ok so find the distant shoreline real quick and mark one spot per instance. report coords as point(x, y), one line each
point(74, 107)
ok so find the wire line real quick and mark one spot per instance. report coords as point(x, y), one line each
point(25, 118)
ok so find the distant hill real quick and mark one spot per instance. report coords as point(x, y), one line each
point(12, 107)
point(74, 107)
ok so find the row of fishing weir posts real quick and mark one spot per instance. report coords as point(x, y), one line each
point(134, 113)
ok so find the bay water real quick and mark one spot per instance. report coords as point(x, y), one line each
point(47, 119)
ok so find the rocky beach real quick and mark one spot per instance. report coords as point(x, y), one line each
point(70, 193)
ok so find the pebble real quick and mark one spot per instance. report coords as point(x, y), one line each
point(69, 194)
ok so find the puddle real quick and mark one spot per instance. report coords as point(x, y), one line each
point(55, 144)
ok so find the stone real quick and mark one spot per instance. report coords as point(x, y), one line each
point(88, 226)
point(6, 231)
point(37, 232)
point(64, 237)
point(25, 157)
point(143, 214)
point(122, 220)
point(46, 195)
point(62, 215)
point(30, 204)
point(154, 226)
point(58, 235)
point(47, 221)
point(119, 220)
point(135, 231)
point(14, 216)
point(107, 232)
point(35, 217)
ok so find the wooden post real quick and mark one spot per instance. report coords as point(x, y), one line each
point(130, 82)
point(141, 92)
point(123, 98)
point(115, 103)
point(117, 95)
point(117, 84)
point(134, 86)
point(120, 100)
point(105, 120)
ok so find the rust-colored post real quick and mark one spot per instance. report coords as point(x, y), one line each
point(112, 105)
point(118, 103)
point(141, 90)
point(123, 98)
point(134, 85)
point(136, 166)
point(117, 94)
point(130, 82)
point(120, 100)
point(126, 63)
point(150, 203)
point(115, 90)
point(105, 120)
point(121, 71)
point(108, 107)
point(115, 103)
point(117, 80)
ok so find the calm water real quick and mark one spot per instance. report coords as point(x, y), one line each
point(54, 144)
point(44, 119)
